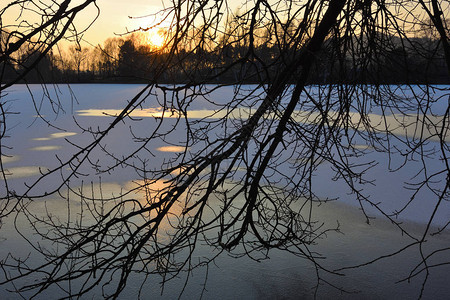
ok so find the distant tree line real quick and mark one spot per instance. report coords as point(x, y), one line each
point(133, 59)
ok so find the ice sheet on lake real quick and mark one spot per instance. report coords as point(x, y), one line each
point(411, 126)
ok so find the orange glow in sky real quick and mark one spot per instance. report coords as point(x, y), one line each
point(118, 17)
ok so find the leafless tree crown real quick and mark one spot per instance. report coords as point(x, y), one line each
point(309, 78)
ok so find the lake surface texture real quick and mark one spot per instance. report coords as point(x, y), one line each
point(33, 147)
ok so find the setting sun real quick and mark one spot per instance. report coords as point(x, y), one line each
point(156, 37)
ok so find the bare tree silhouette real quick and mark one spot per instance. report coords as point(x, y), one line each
point(264, 145)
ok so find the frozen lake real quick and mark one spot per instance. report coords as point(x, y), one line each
point(34, 146)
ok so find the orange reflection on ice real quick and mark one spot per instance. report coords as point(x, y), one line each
point(21, 172)
point(9, 159)
point(57, 135)
point(45, 148)
point(138, 113)
point(172, 149)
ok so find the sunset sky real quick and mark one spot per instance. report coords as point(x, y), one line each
point(114, 17)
